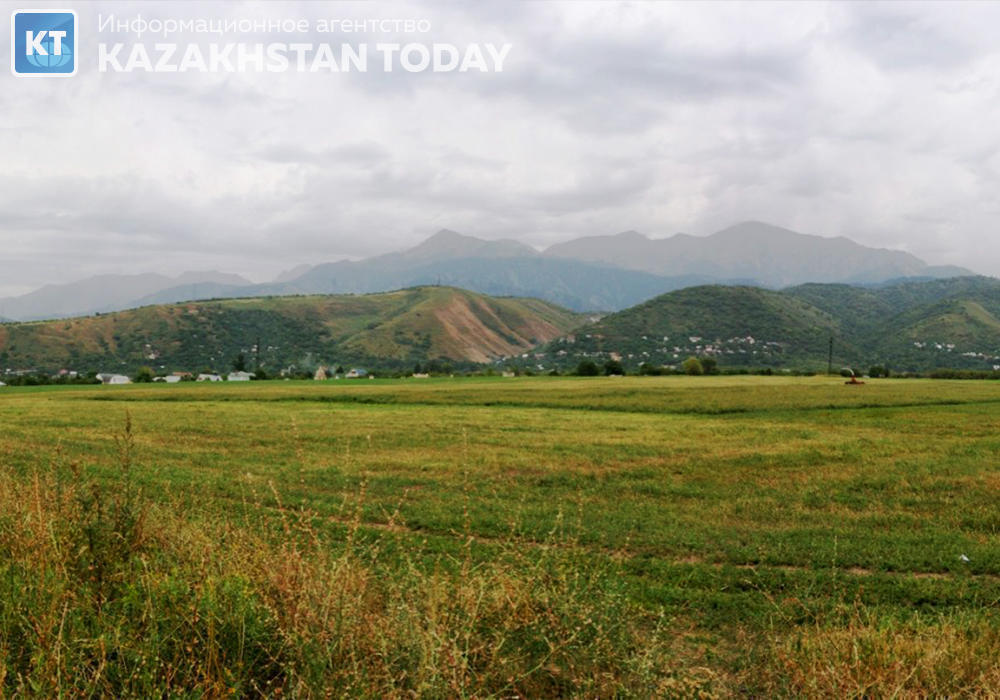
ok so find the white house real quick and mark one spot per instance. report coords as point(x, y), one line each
point(169, 379)
point(114, 379)
point(209, 378)
point(239, 377)
point(356, 373)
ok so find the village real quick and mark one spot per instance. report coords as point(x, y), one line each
point(64, 376)
point(741, 350)
point(661, 352)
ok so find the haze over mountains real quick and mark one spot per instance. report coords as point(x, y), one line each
point(767, 255)
point(107, 293)
point(605, 273)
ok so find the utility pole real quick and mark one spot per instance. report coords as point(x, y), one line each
point(257, 354)
point(829, 359)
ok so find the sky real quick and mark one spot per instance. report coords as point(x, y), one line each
point(875, 121)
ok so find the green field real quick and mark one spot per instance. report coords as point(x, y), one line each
point(657, 536)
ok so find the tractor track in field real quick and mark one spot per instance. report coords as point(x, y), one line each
point(691, 560)
point(553, 406)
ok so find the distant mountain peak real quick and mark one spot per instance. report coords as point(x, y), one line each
point(201, 276)
point(292, 273)
point(758, 228)
point(447, 235)
point(631, 234)
point(447, 243)
point(443, 239)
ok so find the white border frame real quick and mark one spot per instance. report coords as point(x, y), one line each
point(76, 45)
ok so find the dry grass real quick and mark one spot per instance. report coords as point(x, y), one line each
point(869, 657)
point(105, 594)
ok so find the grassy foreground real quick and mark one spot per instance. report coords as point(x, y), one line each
point(729, 536)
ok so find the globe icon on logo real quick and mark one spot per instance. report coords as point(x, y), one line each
point(51, 61)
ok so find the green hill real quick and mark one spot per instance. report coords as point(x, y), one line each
point(909, 326)
point(403, 327)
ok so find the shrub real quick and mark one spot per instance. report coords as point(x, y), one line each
point(693, 366)
point(613, 367)
point(587, 368)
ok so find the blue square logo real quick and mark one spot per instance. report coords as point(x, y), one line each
point(43, 43)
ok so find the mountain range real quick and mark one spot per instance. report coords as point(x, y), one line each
point(599, 273)
point(908, 326)
point(766, 255)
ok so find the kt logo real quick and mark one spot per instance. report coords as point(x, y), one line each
point(43, 43)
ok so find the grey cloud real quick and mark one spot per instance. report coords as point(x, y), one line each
point(362, 153)
point(907, 36)
point(843, 119)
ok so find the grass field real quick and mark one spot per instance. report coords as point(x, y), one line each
point(660, 536)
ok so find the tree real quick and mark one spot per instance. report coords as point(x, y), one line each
point(709, 365)
point(693, 366)
point(587, 368)
point(143, 376)
point(613, 367)
point(240, 363)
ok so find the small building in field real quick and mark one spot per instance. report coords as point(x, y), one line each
point(169, 379)
point(239, 377)
point(209, 378)
point(113, 378)
point(357, 373)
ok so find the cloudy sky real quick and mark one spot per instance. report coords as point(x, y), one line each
point(880, 122)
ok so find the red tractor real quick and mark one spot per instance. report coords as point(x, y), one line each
point(854, 377)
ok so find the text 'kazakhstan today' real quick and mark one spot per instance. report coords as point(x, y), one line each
point(279, 57)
